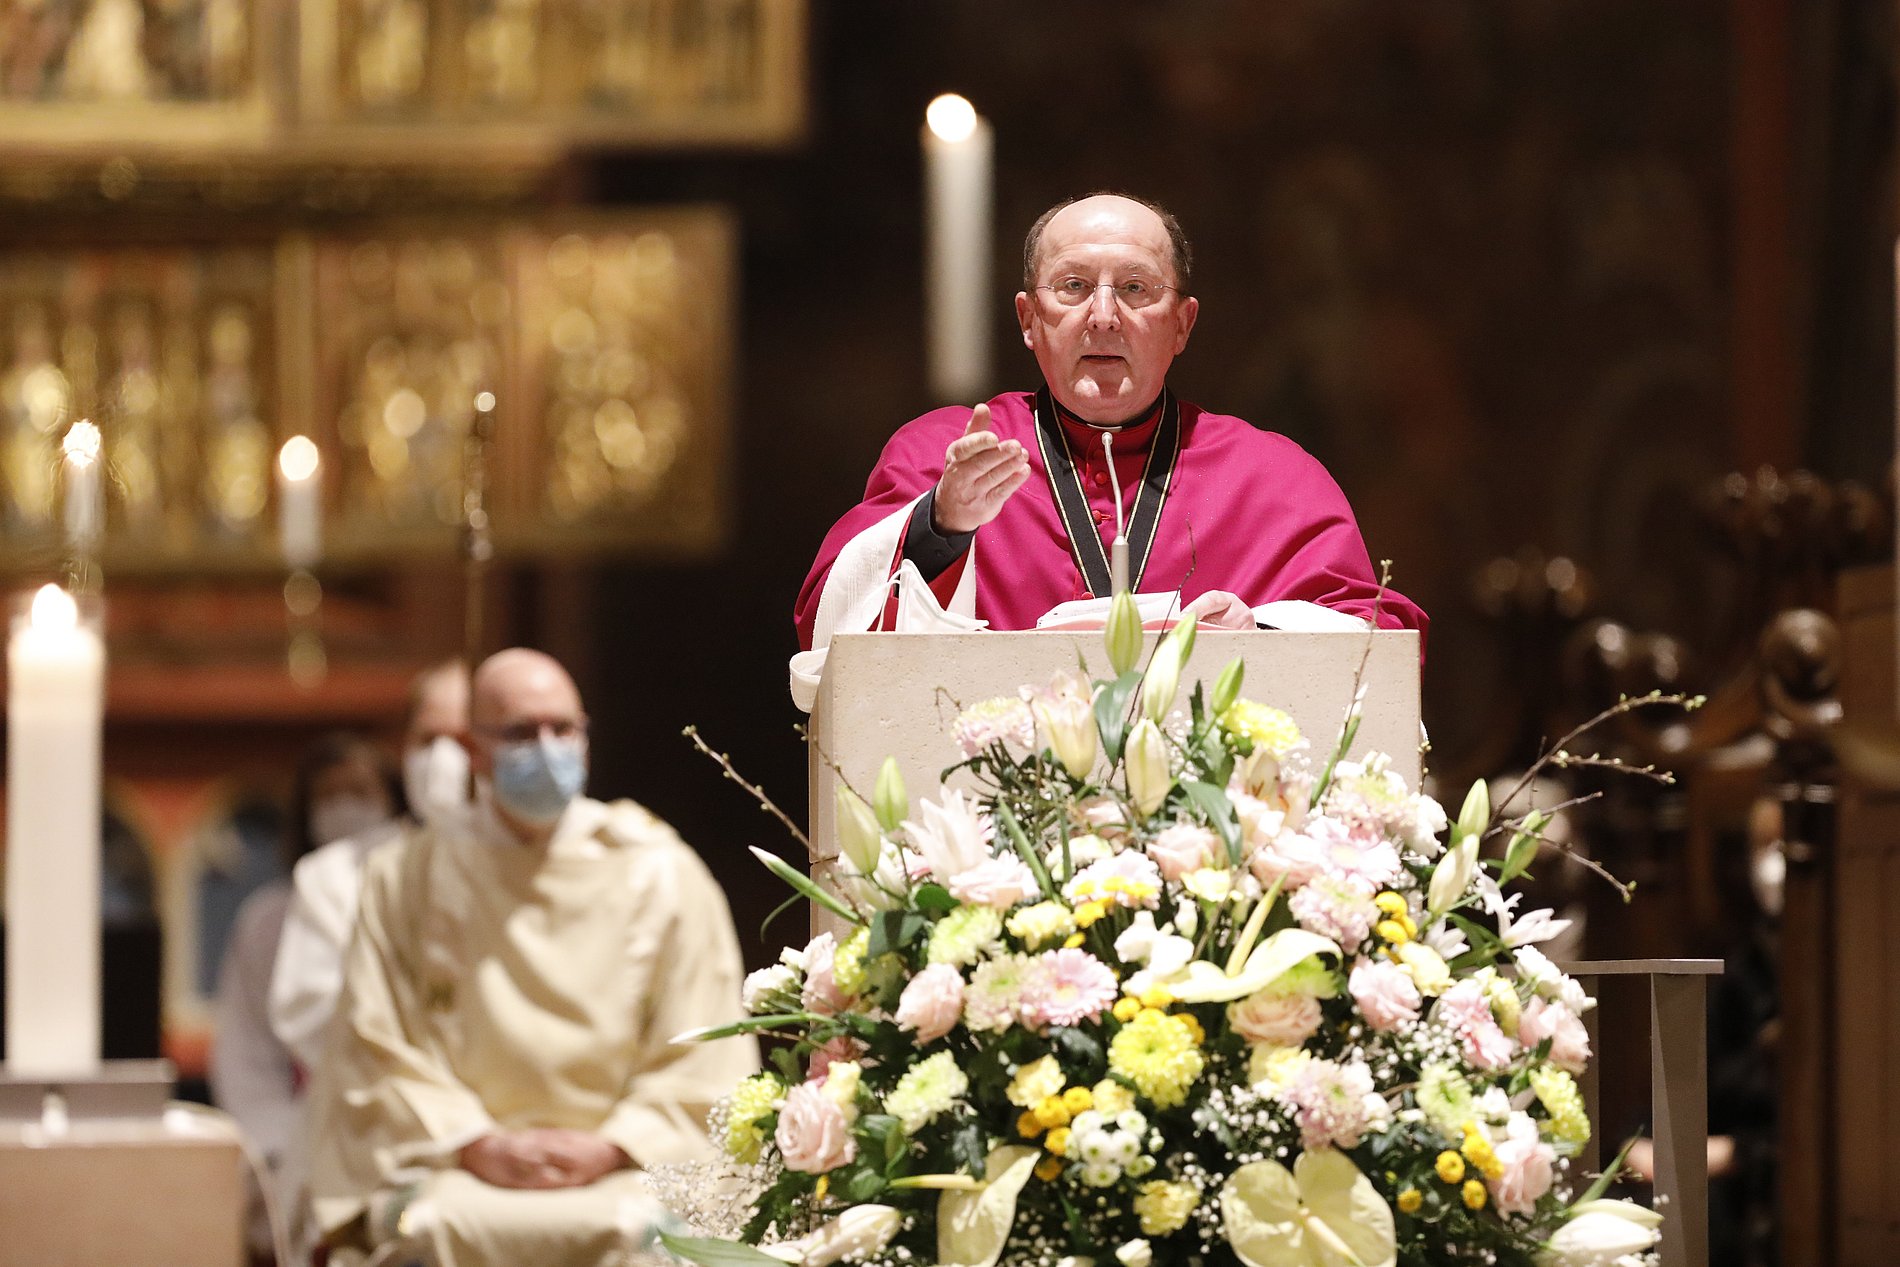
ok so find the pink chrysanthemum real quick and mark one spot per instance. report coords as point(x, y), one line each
point(1333, 1104)
point(1069, 986)
point(1355, 852)
point(1465, 1011)
point(1002, 720)
point(1337, 907)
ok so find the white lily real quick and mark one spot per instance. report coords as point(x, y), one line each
point(1600, 1233)
point(1452, 876)
point(953, 836)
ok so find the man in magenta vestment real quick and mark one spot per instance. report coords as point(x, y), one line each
point(1008, 509)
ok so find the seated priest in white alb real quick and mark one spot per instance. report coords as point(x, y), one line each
point(309, 968)
point(1002, 514)
point(501, 1069)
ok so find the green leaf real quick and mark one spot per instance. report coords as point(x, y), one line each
point(1608, 1177)
point(967, 1150)
point(862, 1184)
point(1212, 801)
point(1080, 1054)
point(787, 1065)
point(1111, 713)
point(709, 1252)
point(894, 930)
point(933, 899)
point(806, 885)
point(1480, 937)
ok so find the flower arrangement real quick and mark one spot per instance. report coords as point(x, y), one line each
point(1167, 986)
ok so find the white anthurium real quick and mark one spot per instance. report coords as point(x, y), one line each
point(1452, 876)
point(857, 1233)
point(1204, 982)
point(1601, 1234)
point(1166, 955)
point(973, 1227)
point(1322, 1213)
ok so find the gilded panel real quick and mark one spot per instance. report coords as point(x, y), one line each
point(171, 352)
point(605, 339)
point(114, 73)
point(599, 71)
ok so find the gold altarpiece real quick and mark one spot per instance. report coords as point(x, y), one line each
point(226, 222)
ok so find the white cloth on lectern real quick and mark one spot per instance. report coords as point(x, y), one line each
point(858, 587)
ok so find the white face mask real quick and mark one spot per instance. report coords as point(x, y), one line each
point(341, 817)
point(435, 779)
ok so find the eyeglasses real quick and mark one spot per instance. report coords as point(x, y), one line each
point(1132, 294)
point(529, 731)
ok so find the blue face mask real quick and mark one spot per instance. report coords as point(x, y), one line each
point(534, 781)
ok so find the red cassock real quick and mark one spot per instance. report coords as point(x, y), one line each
point(1210, 501)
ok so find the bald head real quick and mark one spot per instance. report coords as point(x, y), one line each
point(521, 685)
point(1117, 213)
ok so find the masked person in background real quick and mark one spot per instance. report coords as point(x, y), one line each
point(501, 1068)
point(309, 970)
point(344, 786)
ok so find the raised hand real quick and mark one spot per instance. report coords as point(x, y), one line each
point(980, 473)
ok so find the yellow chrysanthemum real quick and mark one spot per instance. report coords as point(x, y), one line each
point(1269, 728)
point(1390, 904)
point(1052, 1112)
point(1126, 1010)
point(1027, 1126)
point(1058, 1141)
point(1112, 1097)
point(1474, 1195)
point(1035, 1082)
point(1164, 1206)
point(1049, 1167)
point(1557, 1092)
point(1157, 1053)
point(752, 1099)
point(1194, 1029)
point(1078, 1099)
point(1411, 1200)
point(1045, 922)
point(1156, 997)
point(1478, 1151)
point(1393, 931)
point(1451, 1167)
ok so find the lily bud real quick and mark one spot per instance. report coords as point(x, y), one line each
point(858, 836)
point(893, 803)
point(1123, 634)
point(1523, 848)
point(1602, 1232)
point(1164, 675)
point(1146, 758)
point(1183, 633)
point(1476, 814)
point(1227, 688)
point(1453, 874)
point(1070, 723)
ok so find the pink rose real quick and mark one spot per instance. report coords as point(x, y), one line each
point(1182, 848)
point(813, 1134)
point(1291, 858)
point(998, 882)
point(1465, 1011)
point(821, 993)
point(1278, 1018)
point(1569, 1040)
point(932, 1002)
point(1384, 994)
point(1527, 1167)
point(839, 1048)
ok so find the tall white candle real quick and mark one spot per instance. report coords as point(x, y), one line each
point(81, 450)
point(55, 706)
point(300, 503)
point(959, 153)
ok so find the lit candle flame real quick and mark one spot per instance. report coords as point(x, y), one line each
point(298, 459)
point(951, 118)
point(82, 444)
point(54, 610)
